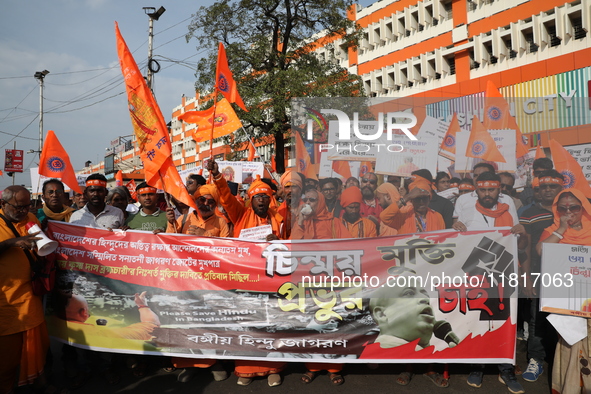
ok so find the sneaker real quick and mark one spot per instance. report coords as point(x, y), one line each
point(533, 371)
point(508, 378)
point(186, 375)
point(475, 379)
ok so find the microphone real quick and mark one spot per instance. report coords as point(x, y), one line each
point(442, 330)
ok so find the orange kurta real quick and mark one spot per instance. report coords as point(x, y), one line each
point(214, 226)
point(321, 225)
point(362, 228)
point(405, 222)
point(243, 217)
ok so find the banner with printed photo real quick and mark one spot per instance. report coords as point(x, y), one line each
point(434, 298)
point(565, 280)
point(250, 170)
point(37, 181)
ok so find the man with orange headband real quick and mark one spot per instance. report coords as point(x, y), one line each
point(420, 218)
point(96, 212)
point(149, 217)
point(542, 336)
point(437, 203)
point(351, 200)
point(291, 183)
point(489, 212)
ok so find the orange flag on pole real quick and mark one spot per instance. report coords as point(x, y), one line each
point(119, 178)
point(150, 128)
point(224, 81)
point(539, 152)
point(131, 186)
point(304, 164)
point(55, 162)
point(273, 163)
point(252, 152)
point(224, 122)
point(449, 141)
point(570, 168)
point(481, 144)
point(497, 116)
point(342, 168)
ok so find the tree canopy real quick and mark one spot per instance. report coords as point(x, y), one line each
point(269, 44)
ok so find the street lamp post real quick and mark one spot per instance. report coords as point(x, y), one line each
point(40, 75)
point(154, 16)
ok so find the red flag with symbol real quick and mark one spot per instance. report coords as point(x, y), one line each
point(55, 162)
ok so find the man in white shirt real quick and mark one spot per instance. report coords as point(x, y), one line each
point(96, 213)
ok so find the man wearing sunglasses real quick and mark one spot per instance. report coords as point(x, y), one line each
point(149, 217)
point(542, 336)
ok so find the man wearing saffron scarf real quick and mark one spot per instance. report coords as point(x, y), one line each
point(291, 183)
point(387, 194)
point(420, 218)
point(489, 212)
point(53, 197)
point(351, 200)
point(315, 222)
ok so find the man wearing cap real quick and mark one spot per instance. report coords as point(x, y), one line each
point(149, 217)
point(291, 183)
point(204, 222)
point(370, 208)
point(387, 194)
point(535, 219)
point(437, 203)
point(351, 200)
point(259, 213)
point(96, 213)
point(488, 212)
point(417, 217)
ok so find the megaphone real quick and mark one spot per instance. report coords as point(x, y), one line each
point(45, 245)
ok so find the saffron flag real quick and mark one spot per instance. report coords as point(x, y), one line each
point(539, 152)
point(224, 81)
point(273, 164)
point(119, 178)
point(131, 186)
point(449, 141)
point(342, 168)
point(150, 128)
point(481, 144)
point(364, 168)
point(497, 116)
point(1, 173)
point(55, 162)
point(252, 152)
point(304, 164)
point(569, 168)
point(225, 121)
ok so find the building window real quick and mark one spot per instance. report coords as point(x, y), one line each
point(551, 30)
point(530, 45)
point(577, 24)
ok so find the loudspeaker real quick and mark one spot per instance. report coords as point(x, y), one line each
point(45, 245)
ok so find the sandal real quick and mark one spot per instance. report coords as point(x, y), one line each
point(437, 379)
point(308, 377)
point(218, 372)
point(244, 381)
point(274, 379)
point(404, 378)
point(336, 379)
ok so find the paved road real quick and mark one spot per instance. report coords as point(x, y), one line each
point(358, 379)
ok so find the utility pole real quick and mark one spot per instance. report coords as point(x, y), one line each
point(153, 16)
point(40, 75)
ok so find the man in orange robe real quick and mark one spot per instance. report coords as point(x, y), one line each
point(418, 219)
point(351, 200)
point(315, 222)
point(291, 183)
point(387, 193)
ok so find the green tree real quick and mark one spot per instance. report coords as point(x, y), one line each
point(269, 46)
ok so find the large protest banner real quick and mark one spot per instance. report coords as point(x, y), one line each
point(331, 301)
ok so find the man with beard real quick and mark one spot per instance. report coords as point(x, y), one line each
point(359, 227)
point(291, 184)
point(256, 215)
point(488, 212)
point(438, 203)
point(96, 213)
point(54, 198)
point(193, 182)
point(370, 208)
point(535, 219)
point(204, 222)
point(149, 217)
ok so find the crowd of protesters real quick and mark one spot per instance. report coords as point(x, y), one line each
point(295, 207)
